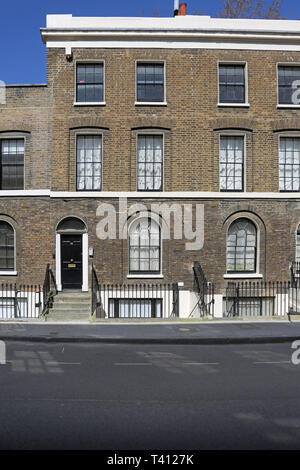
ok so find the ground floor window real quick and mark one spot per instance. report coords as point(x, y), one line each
point(12, 308)
point(135, 308)
point(249, 306)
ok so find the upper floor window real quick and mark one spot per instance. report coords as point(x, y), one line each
point(7, 247)
point(150, 162)
point(89, 162)
point(231, 163)
point(241, 246)
point(144, 246)
point(150, 82)
point(89, 83)
point(232, 83)
point(12, 164)
point(287, 75)
point(289, 164)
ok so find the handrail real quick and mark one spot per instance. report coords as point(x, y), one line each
point(49, 290)
point(95, 294)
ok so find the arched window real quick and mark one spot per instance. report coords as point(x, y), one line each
point(241, 246)
point(7, 247)
point(144, 246)
point(71, 224)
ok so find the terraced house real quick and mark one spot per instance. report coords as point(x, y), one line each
point(188, 110)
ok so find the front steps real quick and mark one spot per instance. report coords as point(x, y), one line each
point(70, 306)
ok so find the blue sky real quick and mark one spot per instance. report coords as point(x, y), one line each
point(22, 54)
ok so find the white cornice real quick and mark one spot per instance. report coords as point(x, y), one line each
point(189, 31)
point(149, 195)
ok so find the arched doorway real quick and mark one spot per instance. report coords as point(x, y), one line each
point(72, 254)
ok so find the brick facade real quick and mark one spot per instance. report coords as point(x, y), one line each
point(191, 123)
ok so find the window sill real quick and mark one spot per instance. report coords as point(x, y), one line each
point(150, 103)
point(100, 103)
point(145, 276)
point(243, 276)
point(234, 105)
point(8, 273)
point(293, 106)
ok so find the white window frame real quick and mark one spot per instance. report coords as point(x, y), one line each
point(291, 135)
point(14, 272)
point(81, 132)
point(15, 136)
point(89, 103)
point(234, 105)
point(158, 275)
point(163, 160)
point(151, 103)
point(234, 134)
point(244, 275)
point(285, 64)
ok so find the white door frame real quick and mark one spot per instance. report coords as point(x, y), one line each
point(85, 260)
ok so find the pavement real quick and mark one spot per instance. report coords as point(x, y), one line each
point(154, 333)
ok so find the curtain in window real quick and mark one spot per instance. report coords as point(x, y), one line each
point(89, 161)
point(150, 162)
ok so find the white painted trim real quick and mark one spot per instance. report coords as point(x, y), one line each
point(145, 276)
point(149, 133)
point(174, 195)
point(257, 274)
point(8, 273)
point(58, 261)
point(151, 103)
point(102, 43)
point(238, 62)
point(228, 133)
point(234, 105)
point(85, 262)
point(24, 192)
point(243, 276)
point(91, 132)
point(155, 218)
point(155, 103)
point(89, 61)
point(100, 103)
point(285, 64)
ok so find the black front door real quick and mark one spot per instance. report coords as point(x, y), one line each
point(71, 261)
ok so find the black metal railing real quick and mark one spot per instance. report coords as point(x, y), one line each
point(204, 291)
point(139, 300)
point(257, 298)
point(49, 290)
point(96, 304)
point(20, 301)
point(295, 271)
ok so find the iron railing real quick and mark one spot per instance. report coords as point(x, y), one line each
point(49, 290)
point(204, 292)
point(139, 300)
point(295, 271)
point(257, 298)
point(96, 305)
point(20, 301)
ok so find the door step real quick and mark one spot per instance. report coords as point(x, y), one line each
point(70, 306)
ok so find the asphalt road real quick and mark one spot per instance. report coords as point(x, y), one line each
point(116, 397)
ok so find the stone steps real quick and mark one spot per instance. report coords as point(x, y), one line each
point(70, 306)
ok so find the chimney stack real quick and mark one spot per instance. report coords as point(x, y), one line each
point(182, 9)
point(176, 7)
